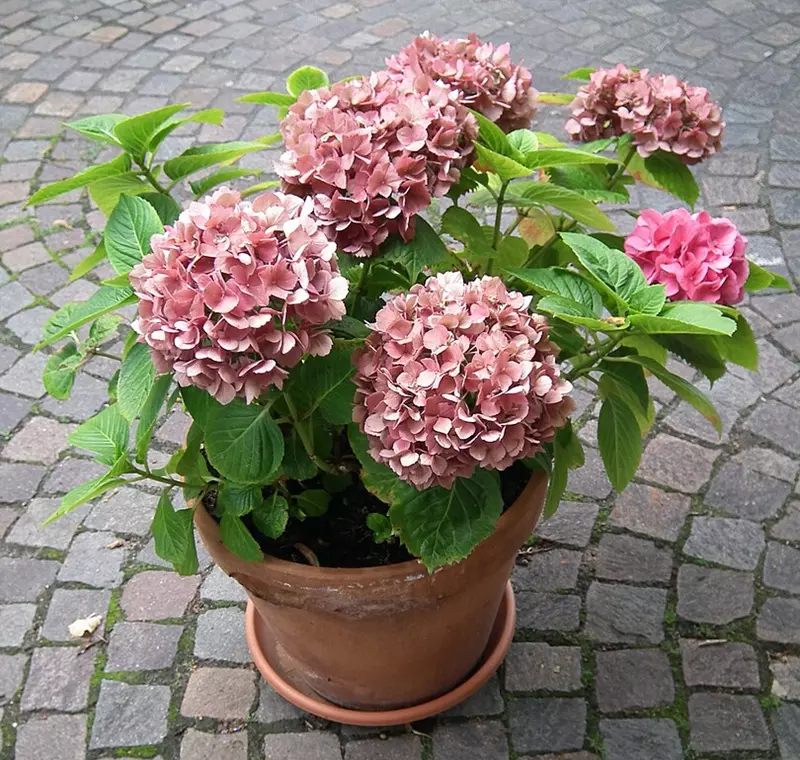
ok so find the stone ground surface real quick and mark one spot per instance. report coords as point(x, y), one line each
point(660, 623)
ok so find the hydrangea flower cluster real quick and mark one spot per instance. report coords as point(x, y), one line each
point(484, 76)
point(695, 256)
point(233, 294)
point(456, 376)
point(372, 153)
point(660, 111)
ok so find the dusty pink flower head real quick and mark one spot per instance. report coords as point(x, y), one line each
point(234, 293)
point(661, 113)
point(456, 376)
point(696, 257)
point(372, 154)
point(484, 76)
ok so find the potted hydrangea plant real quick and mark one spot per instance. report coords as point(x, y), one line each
point(381, 396)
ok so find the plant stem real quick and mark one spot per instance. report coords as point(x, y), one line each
point(361, 282)
point(306, 438)
point(622, 167)
point(580, 368)
point(107, 355)
point(151, 178)
point(498, 218)
point(146, 475)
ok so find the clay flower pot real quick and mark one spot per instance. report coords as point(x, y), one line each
point(392, 638)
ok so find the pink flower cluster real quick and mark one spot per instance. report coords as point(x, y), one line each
point(372, 153)
point(456, 376)
point(484, 76)
point(660, 111)
point(696, 257)
point(234, 293)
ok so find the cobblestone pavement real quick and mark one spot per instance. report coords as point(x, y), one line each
point(662, 623)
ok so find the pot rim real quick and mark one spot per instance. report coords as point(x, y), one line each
point(410, 570)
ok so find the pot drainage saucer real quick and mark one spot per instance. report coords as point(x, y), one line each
point(493, 655)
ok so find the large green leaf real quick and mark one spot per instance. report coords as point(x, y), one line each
point(202, 186)
point(149, 414)
point(619, 436)
point(107, 192)
point(127, 235)
point(84, 266)
point(740, 348)
point(173, 534)
point(673, 175)
point(760, 279)
point(237, 499)
point(581, 74)
point(577, 314)
point(524, 141)
point(100, 128)
point(268, 98)
point(165, 206)
point(135, 133)
point(105, 435)
point(504, 166)
point(238, 539)
point(297, 465)
point(561, 282)
point(198, 403)
point(314, 502)
point(442, 526)
point(271, 516)
point(73, 315)
point(306, 78)
point(550, 157)
point(59, 373)
point(116, 166)
point(686, 317)
point(203, 156)
point(377, 478)
point(700, 351)
point(464, 227)
point(323, 382)
point(649, 300)
point(206, 116)
point(492, 136)
point(572, 203)
point(425, 249)
point(243, 442)
point(612, 268)
point(135, 380)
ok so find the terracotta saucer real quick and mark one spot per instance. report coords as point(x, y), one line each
point(499, 642)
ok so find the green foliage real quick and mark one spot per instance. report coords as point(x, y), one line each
point(268, 99)
point(381, 527)
point(323, 383)
point(561, 282)
point(173, 535)
point(313, 503)
point(59, 373)
point(760, 279)
point(271, 515)
point(149, 414)
point(127, 235)
point(105, 435)
point(237, 499)
point(135, 133)
point(673, 175)
point(425, 249)
point(119, 165)
point(619, 436)
point(195, 159)
point(135, 381)
point(305, 78)
point(86, 265)
point(100, 128)
point(238, 539)
point(572, 203)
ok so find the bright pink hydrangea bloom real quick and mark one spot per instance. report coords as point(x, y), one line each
point(456, 376)
point(696, 257)
point(234, 293)
point(661, 112)
point(484, 76)
point(372, 154)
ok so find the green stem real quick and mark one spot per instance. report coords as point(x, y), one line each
point(498, 218)
point(622, 167)
point(107, 355)
point(146, 475)
point(586, 365)
point(306, 436)
point(151, 178)
point(361, 283)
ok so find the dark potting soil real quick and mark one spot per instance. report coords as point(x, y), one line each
point(341, 538)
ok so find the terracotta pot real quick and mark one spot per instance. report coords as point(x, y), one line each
point(381, 638)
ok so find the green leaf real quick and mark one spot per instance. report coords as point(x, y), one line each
point(103, 329)
point(314, 503)
point(243, 442)
point(572, 447)
point(127, 235)
point(686, 317)
point(238, 539)
point(577, 314)
point(149, 414)
point(381, 527)
point(561, 282)
point(202, 186)
point(673, 175)
point(99, 128)
point(377, 478)
point(207, 116)
point(59, 373)
point(648, 300)
point(644, 345)
point(268, 99)
point(523, 140)
point(259, 187)
point(683, 388)
point(73, 315)
point(198, 403)
point(582, 74)
point(203, 156)
point(492, 136)
point(512, 251)
point(270, 517)
point(165, 206)
point(630, 377)
point(323, 382)
point(442, 526)
point(306, 78)
point(740, 348)
point(105, 435)
point(760, 279)
point(173, 534)
point(107, 192)
point(296, 463)
point(118, 165)
point(612, 268)
point(506, 168)
point(570, 202)
point(700, 351)
point(464, 227)
point(237, 499)
point(619, 437)
point(425, 249)
point(555, 98)
point(90, 262)
point(550, 157)
point(559, 473)
point(192, 463)
point(135, 133)
point(135, 380)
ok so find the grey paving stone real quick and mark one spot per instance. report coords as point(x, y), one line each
point(777, 423)
point(313, 745)
point(724, 723)
point(22, 580)
point(8, 515)
point(591, 479)
point(735, 543)
point(219, 587)
point(634, 739)
point(12, 411)
point(743, 492)
point(625, 614)
point(709, 595)
point(459, 741)
point(40, 440)
point(786, 677)
point(625, 558)
point(632, 679)
point(30, 531)
point(69, 605)
point(58, 680)
point(28, 325)
point(52, 737)
point(674, 463)
point(720, 664)
point(129, 715)
point(15, 620)
point(199, 745)
point(486, 701)
point(220, 636)
point(25, 377)
point(154, 595)
point(779, 621)
point(547, 725)
point(768, 462)
point(539, 666)
point(782, 568)
point(12, 667)
point(548, 612)
point(786, 723)
point(273, 708)
point(572, 524)
point(550, 570)
point(71, 472)
point(650, 512)
point(788, 527)
point(88, 397)
point(91, 561)
point(391, 748)
point(124, 510)
point(224, 693)
point(142, 646)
